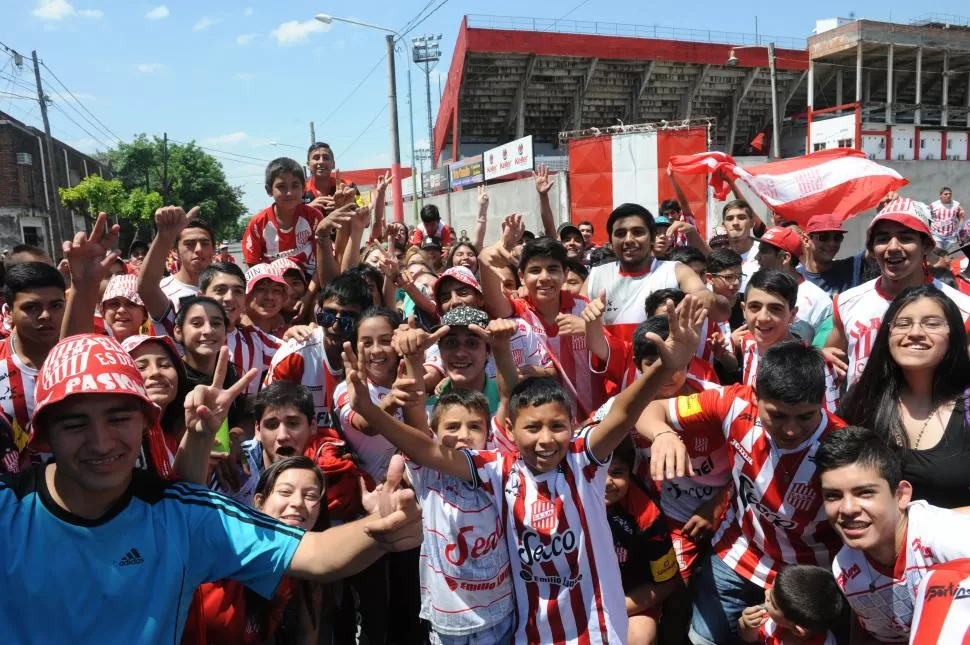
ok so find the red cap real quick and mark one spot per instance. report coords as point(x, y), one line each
point(907, 212)
point(89, 364)
point(263, 272)
point(785, 239)
point(825, 223)
point(461, 274)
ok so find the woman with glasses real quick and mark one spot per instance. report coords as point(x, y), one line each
point(914, 391)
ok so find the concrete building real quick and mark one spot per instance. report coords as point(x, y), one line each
point(27, 196)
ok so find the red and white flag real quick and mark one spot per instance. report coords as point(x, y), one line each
point(840, 181)
point(606, 171)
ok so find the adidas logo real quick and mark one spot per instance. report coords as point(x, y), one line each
point(132, 557)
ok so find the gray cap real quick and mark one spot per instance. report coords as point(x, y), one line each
point(463, 316)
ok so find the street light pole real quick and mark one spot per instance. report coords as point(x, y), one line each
point(397, 191)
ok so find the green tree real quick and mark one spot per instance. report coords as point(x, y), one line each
point(94, 194)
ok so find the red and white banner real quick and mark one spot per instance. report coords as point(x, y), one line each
point(841, 181)
point(607, 171)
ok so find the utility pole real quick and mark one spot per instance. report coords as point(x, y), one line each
point(313, 134)
point(165, 168)
point(396, 190)
point(775, 125)
point(427, 53)
point(56, 215)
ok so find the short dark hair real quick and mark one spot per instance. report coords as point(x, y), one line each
point(721, 259)
point(187, 303)
point(946, 188)
point(793, 373)
point(588, 223)
point(626, 453)
point(686, 255)
point(643, 348)
point(348, 288)
point(863, 447)
point(469, 399)
point(34, 253)
point(775, 282)
point(430, 213)
point(367, 272)
point(631, 210)
point(670, 205)
point(30, 276)
point(215, 269)
point(737, 204)
point(317, 145)
point(199, 223)
point(392, 317)
point(267, 482)
point(533, 392)
point(660, 297)
point(283, 166)
point(808, 596)
point(280, 393)
point(577, 267)
point(543, 247)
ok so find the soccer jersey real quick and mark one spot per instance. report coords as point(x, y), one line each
point(751, 359)
point(946, 221)
point(306, 363)
point(942, 612)
point(251, 347)
point(266, 240)
point(465, 571)
point(777, 516)
point(129, 576)
point(374, 451)
point(526, 345)
point(680, 238)
point(705, 349)
point(564, 568)
point(175, 290)
point(640, 539)
point(443, 232)
point(626, 293)
point(569, 353)
point(16, 391)
point(883, 599)
point(621, 369)
point(859, 313)
point(814, 305)
point(770, 634)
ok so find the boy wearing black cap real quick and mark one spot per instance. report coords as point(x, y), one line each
point(572, 238)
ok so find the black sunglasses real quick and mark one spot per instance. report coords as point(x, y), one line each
point(346, 320)
point(830, 237)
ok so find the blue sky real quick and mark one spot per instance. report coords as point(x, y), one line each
point(236, 76)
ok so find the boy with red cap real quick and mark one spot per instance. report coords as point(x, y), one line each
point(137, 546)
point(825, 234)
point(266, 292)
point(900, 239)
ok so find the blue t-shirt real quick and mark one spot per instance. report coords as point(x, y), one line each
point(129, 576)
point(844, 274)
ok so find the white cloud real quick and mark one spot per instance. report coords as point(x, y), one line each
point(294, 31)
point(85, 145)
point(248, 11)
point(245, 39)
point(61, 9)
point(204, 23)
point(159, 12)
point(244, 76)
point(228, 139)
point(149, 68)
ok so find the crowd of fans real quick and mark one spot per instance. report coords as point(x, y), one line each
point(381, 434)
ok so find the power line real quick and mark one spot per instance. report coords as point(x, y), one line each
point(14, 80)
point(105, 128)
point(224, 152)
point(19, 96)
point(367, 127)
point(433, 12)
point(79, 126)
point(106, 133)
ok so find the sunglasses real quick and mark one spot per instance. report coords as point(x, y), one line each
point(829, 237)
point(345, 320)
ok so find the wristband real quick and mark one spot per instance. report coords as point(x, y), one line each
point(657, 436)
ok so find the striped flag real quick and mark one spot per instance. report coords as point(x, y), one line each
point(606, 171)
point(840, 181)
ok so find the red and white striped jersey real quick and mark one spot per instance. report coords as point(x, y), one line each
point(569, 353)
point(942, 612)
point(250, 347)
point(16, 391)
point(443, 232)
point(751, 358)
point(526, 345)
point(175, 290)
point(883, 599)
point(564, 567)
point(859, 313)
point(265, 240)
point(374, 451)
point(777, 516)
point(680, 239)
point(770, 634)
point(705, 349)
point(946, 219)
point(627, 293)
point(306, 363)
point(621, 368)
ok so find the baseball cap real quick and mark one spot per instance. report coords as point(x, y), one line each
point(568, 227)
point(825, 223)
point(431, 242)
point(263, 272)
point(464, 316)
point(284, 265)
point(123, 286)
point(89, 364)
point(907, 212)
point(719, 236)
point(461, 274)
point(661, 220)
point(785, 239)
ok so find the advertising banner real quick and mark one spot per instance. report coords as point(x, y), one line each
point(512, 157)
point(467, 172)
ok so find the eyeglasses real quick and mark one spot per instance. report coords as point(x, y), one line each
point(930, 325)
point(729, 277)
point(829, 237)
point(346, 320)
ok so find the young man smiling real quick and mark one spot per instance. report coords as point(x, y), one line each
point(890, 541)
point(194, 242)
point(825, 236)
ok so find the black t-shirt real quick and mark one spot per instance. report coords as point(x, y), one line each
point(237, 411)
point(941, 474)
point(640, 538)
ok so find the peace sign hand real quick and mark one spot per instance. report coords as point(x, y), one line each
point(90, 257)
point(207, 406)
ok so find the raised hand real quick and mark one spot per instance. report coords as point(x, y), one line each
point(737, 336)
point(414, 341)
point(336, 220)
point(399, 527)
point(499, 330)
point(170, 220)
point(383, 182)
point(361, 219)
point(405, 392)
point(837, 358)
point(543, 183)
point(357, 391)
point(570, 325)
point(88, 258)
point(344, 194)
point(685, 323)
point(207, 406)
point(669, 458)
point(595, 308)
point(482, 195)
point(512, 229)
point(323, 203)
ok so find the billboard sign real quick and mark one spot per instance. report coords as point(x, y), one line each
point(435, 181)
point(467, 172)
point(512, 157)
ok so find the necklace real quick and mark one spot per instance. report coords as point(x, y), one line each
point(919, 437)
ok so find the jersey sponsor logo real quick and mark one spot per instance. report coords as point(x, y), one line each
point(849, 574)
point(750, 499)
point(801, 496)
point(700, 445)
point(543, 515)
point(130, 558)
point(664, 568)
point(458, 552)
point(532, 551)
point(567, 583)
point(688, 406)
point(699, 493)
point(326, 419)
point(951, 590)
point(738, 448)
point(925, 551)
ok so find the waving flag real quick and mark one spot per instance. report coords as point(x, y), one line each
point(840, 181)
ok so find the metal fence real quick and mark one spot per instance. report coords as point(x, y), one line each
point(636, 31)
point(941, 19)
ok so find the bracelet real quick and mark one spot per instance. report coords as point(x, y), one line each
point(657, 436)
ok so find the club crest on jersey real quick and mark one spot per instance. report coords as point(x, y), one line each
point(700, 444)
point(543, 516)
point(801, 496)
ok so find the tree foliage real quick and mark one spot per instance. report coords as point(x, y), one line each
point(93, 194)
point(195, 178)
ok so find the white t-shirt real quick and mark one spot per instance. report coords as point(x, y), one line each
point(375, 451)
point(176, 290)
point(626, 293)
point(882, 600)
point(814, 305)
